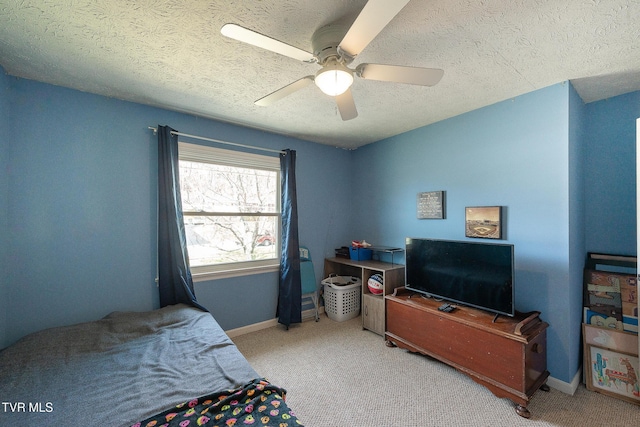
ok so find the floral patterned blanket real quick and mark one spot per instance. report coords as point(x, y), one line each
point(257, 403)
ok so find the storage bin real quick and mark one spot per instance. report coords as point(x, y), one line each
point(342, 297)
point(360, 254)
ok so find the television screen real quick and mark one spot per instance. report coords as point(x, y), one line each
point(475, 274)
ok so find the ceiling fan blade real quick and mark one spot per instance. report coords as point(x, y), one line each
point(375, 15)
point(256, 39)
point(284, 91)
point(400, 74)
point(346, 106)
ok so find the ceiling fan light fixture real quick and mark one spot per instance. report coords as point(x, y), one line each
point(334, 78)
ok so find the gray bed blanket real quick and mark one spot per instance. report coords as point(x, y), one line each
point(118, 370)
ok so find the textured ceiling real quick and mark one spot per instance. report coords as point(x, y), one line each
point(170, 53)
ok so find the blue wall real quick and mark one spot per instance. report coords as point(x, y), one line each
point(81, 217)
point(610, 174)
point(513, 154)
point(563, 170)
point(577, 206)
point(5, 137)
point(82, 213)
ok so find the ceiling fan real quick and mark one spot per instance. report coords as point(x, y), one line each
point(334, 52)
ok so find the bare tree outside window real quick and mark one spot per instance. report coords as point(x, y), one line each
point(230, 213)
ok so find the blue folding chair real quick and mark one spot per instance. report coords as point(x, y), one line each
point(308, 276)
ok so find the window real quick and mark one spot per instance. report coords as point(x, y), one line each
point(231, 208)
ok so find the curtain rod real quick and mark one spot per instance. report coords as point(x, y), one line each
point(186, 135)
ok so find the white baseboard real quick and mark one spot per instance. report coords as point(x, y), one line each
point(567, 388)
point(251, 328)
point(306, 314)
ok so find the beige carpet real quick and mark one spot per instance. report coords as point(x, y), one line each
point(337, 374)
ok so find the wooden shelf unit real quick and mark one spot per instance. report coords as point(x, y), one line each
point(372, 307)
point(508, 356)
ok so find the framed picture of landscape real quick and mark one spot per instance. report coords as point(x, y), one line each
point(483, 222)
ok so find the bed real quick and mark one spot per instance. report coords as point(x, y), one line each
point(166, 367)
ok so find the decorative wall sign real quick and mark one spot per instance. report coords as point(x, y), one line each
point(484, 222)
point(431, 205)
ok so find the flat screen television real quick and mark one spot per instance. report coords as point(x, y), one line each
point(470, 273)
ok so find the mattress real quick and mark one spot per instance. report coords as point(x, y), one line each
point(118, 370)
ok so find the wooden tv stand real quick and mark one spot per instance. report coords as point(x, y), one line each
point(508, 355)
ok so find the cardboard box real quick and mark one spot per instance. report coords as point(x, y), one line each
point(629, 297)
point(630, 324)
point(611, 338)
point(594, 318)
point(611, 363)
point(604, 292)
